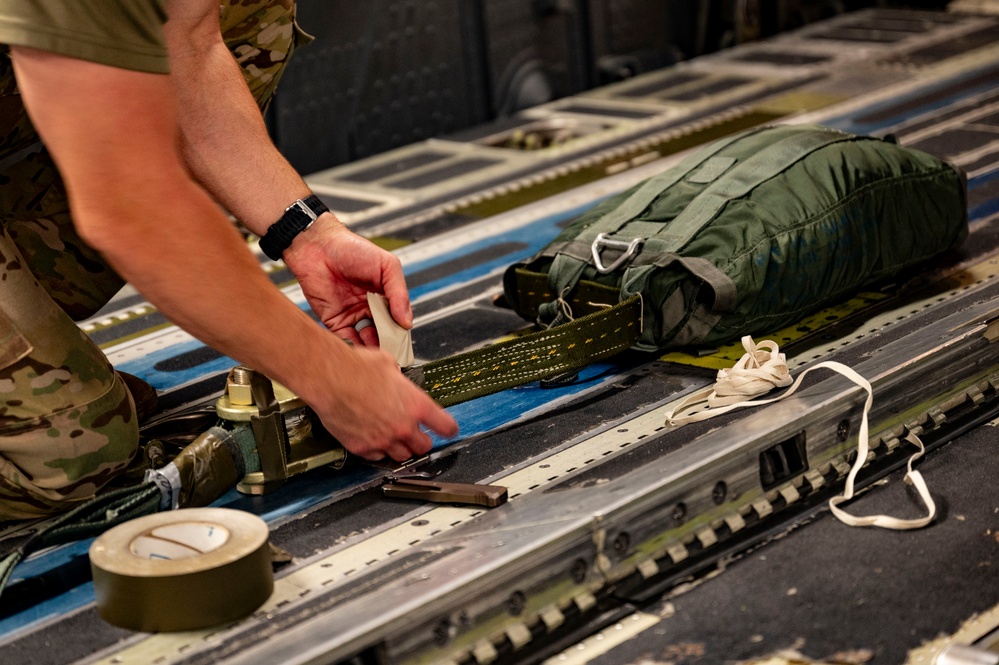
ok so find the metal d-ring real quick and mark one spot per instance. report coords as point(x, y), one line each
point(603, 241)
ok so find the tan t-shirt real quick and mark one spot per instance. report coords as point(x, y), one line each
point(120, 33)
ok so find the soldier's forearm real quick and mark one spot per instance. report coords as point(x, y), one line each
point(224, 139)
point(133, 200)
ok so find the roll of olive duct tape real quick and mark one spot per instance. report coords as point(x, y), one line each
point(182, 570)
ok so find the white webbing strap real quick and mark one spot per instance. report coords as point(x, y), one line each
point(912, 477)
point(763, 368)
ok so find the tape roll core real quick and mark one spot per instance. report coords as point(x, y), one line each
point(182, 570)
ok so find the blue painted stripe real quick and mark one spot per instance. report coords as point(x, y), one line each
point(535, 235)
point(145, 367)
point(48, 610)
point(847, 122)
point(989, 207)
point(984, 210)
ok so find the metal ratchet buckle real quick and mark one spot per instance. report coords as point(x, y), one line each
point(603, 241)
point(288, 442)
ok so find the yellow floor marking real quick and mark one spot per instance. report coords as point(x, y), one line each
point(800, 101)
point(390, 244)
point(729, 354)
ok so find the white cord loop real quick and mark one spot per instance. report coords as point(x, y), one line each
point(761, 369)
point(563, 304)
point(764, 368)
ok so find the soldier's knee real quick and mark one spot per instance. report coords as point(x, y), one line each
point(55, 461)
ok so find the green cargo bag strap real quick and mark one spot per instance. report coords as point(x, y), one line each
point(654, 187)
point(571, 258)
point(741, 180)
point(702, 166)
point(642, 198)
point(563, 276)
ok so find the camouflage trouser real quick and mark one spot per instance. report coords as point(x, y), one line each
point(67, 423)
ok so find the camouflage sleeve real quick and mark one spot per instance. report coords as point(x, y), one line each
point(262, 34)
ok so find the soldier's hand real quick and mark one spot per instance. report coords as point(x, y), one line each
point(337, 268)
point(380, 412)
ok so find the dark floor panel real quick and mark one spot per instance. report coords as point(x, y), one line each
point(478, 290)
point(875, 36)
point(954, 142)
point(440, 174)
point(438, 339)
point(589, 109)
point(890, 112)
point(424, 277)
point(674, 81)
point(77, 636)
point(951, 47)
point(346, 204)
point(788, 58)
point(989, 161)
point(712, 87)
point(831, 589)
point(395, 166)
point(984, 193)
point(938, 117)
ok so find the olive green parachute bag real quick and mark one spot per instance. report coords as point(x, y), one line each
point(746, 236)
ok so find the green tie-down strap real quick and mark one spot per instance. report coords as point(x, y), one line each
point(545, 354)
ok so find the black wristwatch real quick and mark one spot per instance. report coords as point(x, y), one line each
point(296, 218)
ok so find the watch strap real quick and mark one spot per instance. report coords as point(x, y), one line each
point(296, 218)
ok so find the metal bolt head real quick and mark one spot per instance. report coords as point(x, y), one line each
point(578, 571)
point(622, 543)
point(843, 430)
point(719, 493)
point(679, 514)
point(443, 632)
point(516, 603)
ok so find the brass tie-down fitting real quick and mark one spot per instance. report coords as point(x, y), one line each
point(289, 440)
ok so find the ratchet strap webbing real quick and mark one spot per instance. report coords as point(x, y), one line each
point(545, 354)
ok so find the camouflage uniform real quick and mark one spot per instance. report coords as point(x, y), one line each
point(67, 423)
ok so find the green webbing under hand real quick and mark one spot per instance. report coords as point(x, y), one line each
point(533, 357)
